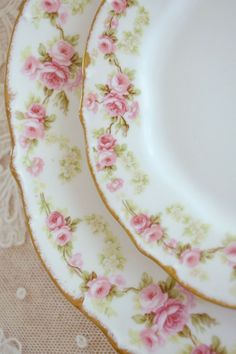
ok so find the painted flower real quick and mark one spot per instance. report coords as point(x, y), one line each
point(51, 6)
point(106, 142)
point(31, 67)
point(23, 141)
point(151, 298)
point(115, 185)
point(106, 45)
point(191, 257)
point(133, 111)
point(171, 317)
point(120, 83)
point(119, 6)
point(36, 111)
point(153, 233)
point(63, 15)
point(112, 22)
point(55, 221)
point(140, 223)
point(118, 280)
point(76, 260)
point(115, 104)
point(73, 84)
point(91, 102)
point(54, 76)
point(230, 252)
point(203, 349)
point(34, 129)
point(63, 236)
point(62, 52)
point(106, 159)
point(149, 337)
point(99, 288)
point(36, 167)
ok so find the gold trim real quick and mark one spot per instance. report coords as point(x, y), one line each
point(77, 303)
point(170, 270)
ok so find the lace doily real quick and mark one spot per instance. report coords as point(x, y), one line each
point(12, 223)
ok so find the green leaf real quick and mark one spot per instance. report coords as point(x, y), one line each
point(62, 101)
point(186, 332)
point(73, 40)
point(139, 319)
point(217, 347)
point(42, 50)
point(19, 115)
point(145, 281)
point(103, 88)
point(233, 274)
point(201, 321)
point(120, 149)
point(51, 118)
point(98, 132)
point(168, 285)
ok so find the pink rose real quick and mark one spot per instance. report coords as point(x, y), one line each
point(112, 22)
point(54, 76)
point(91, 102)
point(115, 104)
point(99, 288)
point(149, 338)
point(230, 252)
point(151, 298)
point(76, 260)
point(133, 111)
point(119, 6)
point(34, 129)
point(115, 185)
point(63, 15)
point(63, 235)
point(153, 233)
point(24, 142)
point(51, 6)
point(31, 67)
point(120, 83)
point(191, 257)
point(37, 165)
point(140, 223)
point(106, 45)
point(62, 52)
point(118, 280)
point(106, 142)
point(55, 221)
point(203, 349)
point(73, 84)
point(171, 317)
point(36, 111)
point(106, 159)
point(172, 243)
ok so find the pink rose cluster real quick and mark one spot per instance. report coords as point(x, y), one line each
point(169, 315)
point(57, 224)
point(101, 286)
point(106, 151)
point(54, 73)
point(230, 253)
point(116, 100)
point(34, 124)
point(203, 349)
point(149, 231)
point(191, 257)
point(55, 7)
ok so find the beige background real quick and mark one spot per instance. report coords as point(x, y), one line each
point(44, 322)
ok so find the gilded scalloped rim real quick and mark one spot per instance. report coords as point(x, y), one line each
point(77, 303)
point(168, 269)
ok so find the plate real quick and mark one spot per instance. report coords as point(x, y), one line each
point(158, 112)
point(83, 248)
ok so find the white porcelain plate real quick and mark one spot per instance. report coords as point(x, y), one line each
point(84, 249)
point(159, 113)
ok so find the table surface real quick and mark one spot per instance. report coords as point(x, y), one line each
point(35, 318)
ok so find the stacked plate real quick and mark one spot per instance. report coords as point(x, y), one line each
point(153, 83)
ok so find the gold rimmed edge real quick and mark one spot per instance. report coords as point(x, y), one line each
point(7, 94)
point(168, 269)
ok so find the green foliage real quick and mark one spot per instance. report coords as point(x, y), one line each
point(201, 321)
